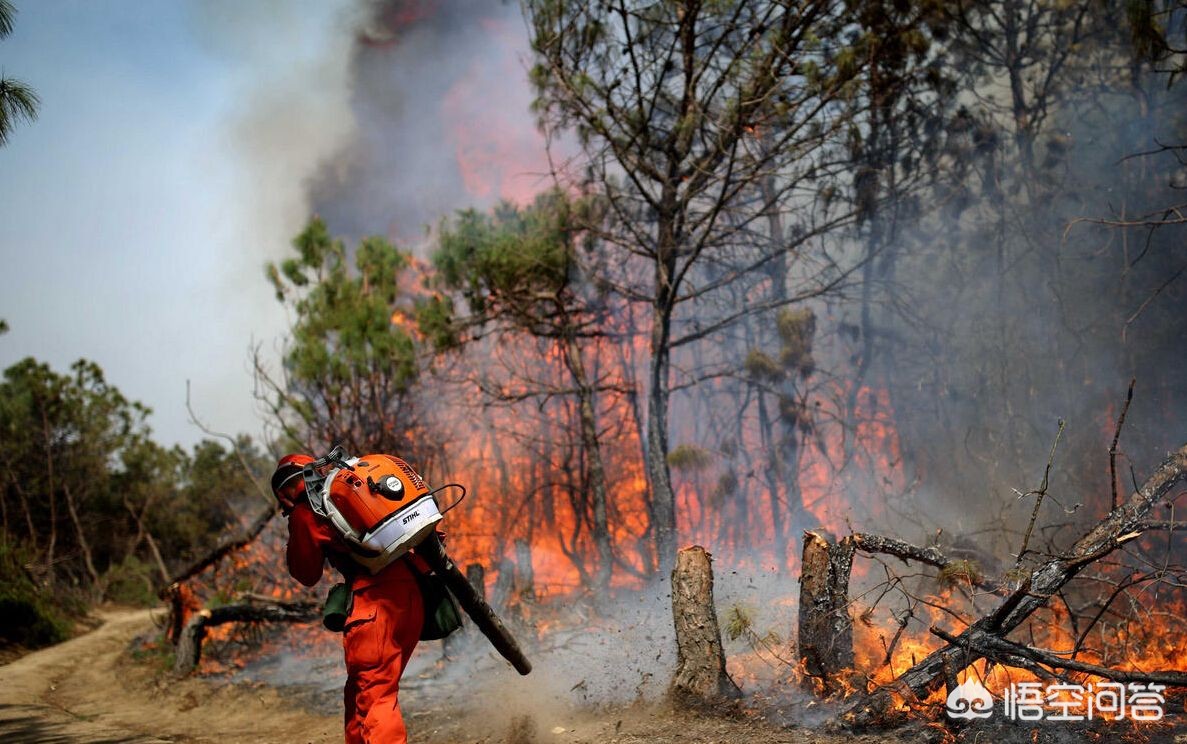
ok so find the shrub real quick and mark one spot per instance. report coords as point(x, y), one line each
point(130, 582)
point(27, 618)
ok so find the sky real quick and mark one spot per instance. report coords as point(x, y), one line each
point(167, 165)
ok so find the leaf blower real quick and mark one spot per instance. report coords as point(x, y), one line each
point(383, 509)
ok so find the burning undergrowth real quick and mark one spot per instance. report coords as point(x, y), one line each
point(617, 651)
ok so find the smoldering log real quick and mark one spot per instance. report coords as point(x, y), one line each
point(700, 676)
point(825, 627)
point(189, 643)
point(1122, 525)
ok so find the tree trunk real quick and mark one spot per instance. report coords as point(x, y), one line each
point(502, 593)
point(700, 660)
point(53, 500)
point(525, 576)
point(825, 628)
point(87, 556)
point(597, 470)
point(657, 441)
point(476, 575)
point(774, 476)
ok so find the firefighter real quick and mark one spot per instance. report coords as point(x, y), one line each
point(385, 618)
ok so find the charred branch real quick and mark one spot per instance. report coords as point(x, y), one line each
point(220, 551)
point(1121, 526)
point(1009, 653)
point(255, 610)
point(930, 556)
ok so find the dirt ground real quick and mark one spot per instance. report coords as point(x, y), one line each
point(89, 690)
point(92, 690)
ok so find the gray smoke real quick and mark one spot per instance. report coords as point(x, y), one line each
point(440, 98)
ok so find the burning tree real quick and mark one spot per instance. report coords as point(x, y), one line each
point(698, 121)
point(518, 271)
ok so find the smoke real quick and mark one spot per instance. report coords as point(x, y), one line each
point(440, 98)
point(291, 111)
point(586, 654)
point(999, 320)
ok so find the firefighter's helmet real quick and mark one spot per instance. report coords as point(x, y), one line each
point(288, 469)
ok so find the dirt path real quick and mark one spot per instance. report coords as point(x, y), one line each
point(86, 691)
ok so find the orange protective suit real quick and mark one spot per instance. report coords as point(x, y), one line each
point(381, 631)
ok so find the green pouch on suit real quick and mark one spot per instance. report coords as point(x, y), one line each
point(337, 608)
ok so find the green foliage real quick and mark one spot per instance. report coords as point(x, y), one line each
point(344, 325)
point(7, 11)
point(760, 366)
point(85, 489)
point(739, 621)
point(727, 487)
point(516, 264)
point(436, 320)
point(27, 617)
point(18, 102)
point(959, 572)
point(157, 654)
point(689, 457)
point(353, 358)
point(131, 582)
point(796, 328)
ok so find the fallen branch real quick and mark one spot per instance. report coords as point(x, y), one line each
point(1122, 525)
point(189, 644)
point(1150, 526)
point(931, 556)
point(229, 545)
point(1001, 650)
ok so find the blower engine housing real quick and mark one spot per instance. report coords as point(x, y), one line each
point(381, 506)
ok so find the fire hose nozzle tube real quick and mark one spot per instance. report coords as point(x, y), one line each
point(433, 552)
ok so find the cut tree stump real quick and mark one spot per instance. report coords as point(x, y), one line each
point(700, 660)
point(825, 627)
